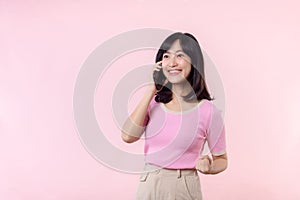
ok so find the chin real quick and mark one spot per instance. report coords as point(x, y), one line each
point(176, 81)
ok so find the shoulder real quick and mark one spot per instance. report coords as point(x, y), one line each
point(210, 111)
point(211, 106)
point(152, 103)
point(205, 106)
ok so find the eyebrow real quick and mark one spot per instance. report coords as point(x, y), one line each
point(175, 52)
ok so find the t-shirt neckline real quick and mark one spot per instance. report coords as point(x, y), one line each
point(163, 106)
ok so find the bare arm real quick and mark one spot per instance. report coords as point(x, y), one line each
point(217, 164)
point(133, 127)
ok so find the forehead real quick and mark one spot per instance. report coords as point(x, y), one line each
point(175, 47)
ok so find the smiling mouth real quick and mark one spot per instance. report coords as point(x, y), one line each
point(174, 72)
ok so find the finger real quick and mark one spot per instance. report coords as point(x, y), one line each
point(157, 68)
point(166, 81)
point(203, 166)
point(159, 62)
point(204, 170)
point(210, 160)
point(206, 157)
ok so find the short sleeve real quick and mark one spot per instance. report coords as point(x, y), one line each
point(216, 132)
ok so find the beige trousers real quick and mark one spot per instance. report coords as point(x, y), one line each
point(169, 184)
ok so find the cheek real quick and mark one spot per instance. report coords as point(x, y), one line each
point(164, 62)
point(184, 63)
point(165, 71)
point(187, 71)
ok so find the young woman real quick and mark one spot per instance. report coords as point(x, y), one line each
point(178, 117)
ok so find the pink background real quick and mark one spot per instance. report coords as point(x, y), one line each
point(43, 44)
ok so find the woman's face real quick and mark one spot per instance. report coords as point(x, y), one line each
point(176, 64)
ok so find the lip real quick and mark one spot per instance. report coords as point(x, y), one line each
point(174, 72)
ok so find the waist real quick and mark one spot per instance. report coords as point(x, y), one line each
point(158, 170)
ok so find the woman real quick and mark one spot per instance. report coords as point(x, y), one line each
point(177, 117)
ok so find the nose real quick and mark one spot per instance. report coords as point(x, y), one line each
point(172, 61)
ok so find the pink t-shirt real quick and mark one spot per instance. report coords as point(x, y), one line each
point(176, 140)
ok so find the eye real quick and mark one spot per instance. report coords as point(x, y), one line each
point(180, 55)
point(165, 56)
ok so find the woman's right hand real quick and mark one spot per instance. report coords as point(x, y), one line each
point(156, 68)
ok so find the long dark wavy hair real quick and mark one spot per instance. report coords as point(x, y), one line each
point(196, 78)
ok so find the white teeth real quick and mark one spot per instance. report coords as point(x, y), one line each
point(174, 71)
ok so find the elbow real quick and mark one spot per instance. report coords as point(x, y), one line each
point(127, 138)
point(131, 134)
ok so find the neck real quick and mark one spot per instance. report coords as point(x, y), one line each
point(181, 89)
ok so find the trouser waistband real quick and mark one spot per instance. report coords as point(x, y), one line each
point(179, 172)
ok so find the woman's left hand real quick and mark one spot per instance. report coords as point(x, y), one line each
point(204, 164)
